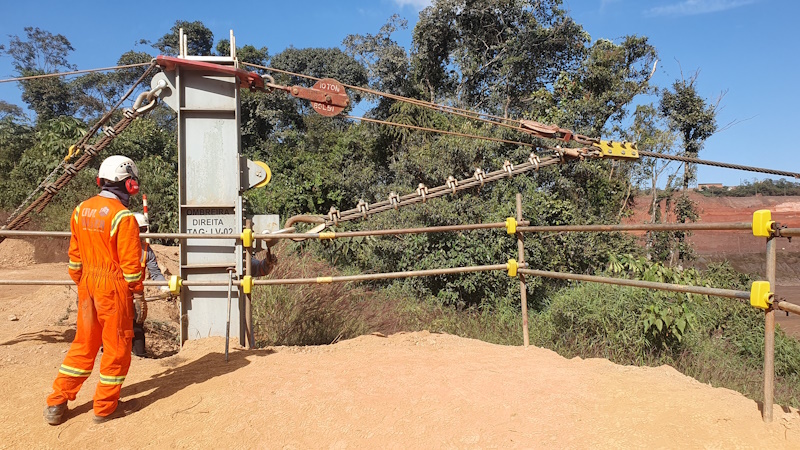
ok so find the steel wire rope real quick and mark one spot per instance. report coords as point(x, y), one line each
point(469, 114)
point(718, 164)
point(439, 191)
point(17, 219)
point(434, 130)
point(74, 72)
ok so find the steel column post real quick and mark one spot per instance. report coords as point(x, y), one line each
point(769, 336)
point(523, 289)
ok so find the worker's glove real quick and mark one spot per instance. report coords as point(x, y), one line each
point(139, 307)
point(164, 289)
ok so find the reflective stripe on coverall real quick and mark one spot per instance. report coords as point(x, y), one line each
point(104, 254)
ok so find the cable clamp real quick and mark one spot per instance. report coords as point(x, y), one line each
point(617, 150)
point(175, 284)
point(479, 174)
point(422, 191)
point(763, 225)
point(91, 150)
point(760, 295)
point(394, 199)
point(560, 153)
point(247, 237)
point(511, 225)
point(363, 207)
point(509, 168)
point(534, 159)
point(512, 267)
point(247, 284)
point(452, 183)
point(327, 235)
point(109, 131)
point(334, 216)
point(129, 113)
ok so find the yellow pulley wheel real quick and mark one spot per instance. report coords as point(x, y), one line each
point(266, 181)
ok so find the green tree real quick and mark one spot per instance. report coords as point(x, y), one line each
point(200, 40)
point(42, 52)
point(10, 110)
point(691, 116)
point(650, 131)
point(248, 53)
point(387, 63)
point(491, 55)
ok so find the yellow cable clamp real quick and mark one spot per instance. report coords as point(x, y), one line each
point(622, 150)
point(511, 225)
point(247, 237)
point(512, 267)
point(324, 279)
point(327, 235)
point(762, 223)
point(175, 284)
point(247, 284)
point(760, 295)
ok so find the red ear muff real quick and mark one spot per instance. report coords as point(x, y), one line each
point(132, 186)
point(99, 183)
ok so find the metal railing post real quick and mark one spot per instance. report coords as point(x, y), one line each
point(248, 298)
point(769, 336)
point(523, 290)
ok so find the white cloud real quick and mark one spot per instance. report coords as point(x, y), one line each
point(419, 5)
point(694, 7)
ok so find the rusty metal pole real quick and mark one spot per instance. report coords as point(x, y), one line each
point(523, 290)
point(769, 336)
point(248, 298)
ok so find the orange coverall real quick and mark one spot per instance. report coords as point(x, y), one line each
point(104, 254)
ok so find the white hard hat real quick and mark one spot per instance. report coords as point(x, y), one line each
point(141, 219)
point(117, 168)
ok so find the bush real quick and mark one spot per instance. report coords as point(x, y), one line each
point(315, 314)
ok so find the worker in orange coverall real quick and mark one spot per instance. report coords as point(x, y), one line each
point(104, 254)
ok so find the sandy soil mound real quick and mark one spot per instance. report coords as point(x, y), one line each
point(16, 253)
point(414, 390)
point(408, 390)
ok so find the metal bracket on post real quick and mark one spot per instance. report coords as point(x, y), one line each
point(257, 175)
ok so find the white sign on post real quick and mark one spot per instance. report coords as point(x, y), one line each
point(211, 221)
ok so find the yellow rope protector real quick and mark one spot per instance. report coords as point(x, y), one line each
point(247, 237)
point(175, 284)
point(760, 295)
point(512, 267)
point(617, 150)
point(247, 284)
point(268, 173)
point(327, 235)
point(511, 225)
point(324, 279)
point(762, 223)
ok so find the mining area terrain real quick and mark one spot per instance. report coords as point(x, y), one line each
point(407, 390)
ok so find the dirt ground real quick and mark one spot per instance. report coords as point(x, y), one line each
point(408, 390)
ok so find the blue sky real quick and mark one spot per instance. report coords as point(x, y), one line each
point(747, 49)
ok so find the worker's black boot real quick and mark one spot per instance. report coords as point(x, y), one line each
point(54, 415)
